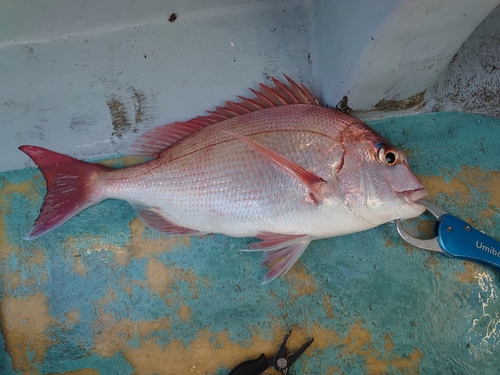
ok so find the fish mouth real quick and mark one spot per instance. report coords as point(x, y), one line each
point(412, 196)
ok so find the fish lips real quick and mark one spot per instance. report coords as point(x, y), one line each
point(412, 196)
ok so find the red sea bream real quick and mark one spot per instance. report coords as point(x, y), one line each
point(278, 167)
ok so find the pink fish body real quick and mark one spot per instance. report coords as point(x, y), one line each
point(278, 167)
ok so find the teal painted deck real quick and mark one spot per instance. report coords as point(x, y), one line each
point(105, 295)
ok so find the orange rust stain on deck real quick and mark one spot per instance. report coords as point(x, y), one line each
point(388, 343)
point(333, 370)
point(24, 323)
point(358, 341)
point(162, 279)
point(112, 336)
point(84, 371)
point(25, 189)
point(432, 263)
point(72, 317)
point(23, 320)
point(301, 282)
point(389, 242)
point(470, 273)
point(144, 243)
point(327, 306)
point(204, 355)
point(78, 267)
point(323, 338)
point(158, 277)
point(209, 351)
point(184, 313)
point(437, 184)
point(486, 182)
point(14, 280)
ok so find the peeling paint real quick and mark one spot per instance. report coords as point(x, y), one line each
point(25, 332)
point(139, 102)
point(129, 111)
point(119, 117)
point(416, 100)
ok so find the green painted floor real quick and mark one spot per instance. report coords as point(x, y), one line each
point(105, 295)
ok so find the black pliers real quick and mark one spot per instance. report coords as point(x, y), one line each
point(281, 361)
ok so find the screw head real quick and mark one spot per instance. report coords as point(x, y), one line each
point(449, 229)
point(282, 363)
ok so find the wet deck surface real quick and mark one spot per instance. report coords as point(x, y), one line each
point(105, 295)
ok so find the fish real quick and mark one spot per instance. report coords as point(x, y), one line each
point(277, 166)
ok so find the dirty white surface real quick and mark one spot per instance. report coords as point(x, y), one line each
point(85, 78)
point(471, 82)
point(384, 55)
point(76, 83)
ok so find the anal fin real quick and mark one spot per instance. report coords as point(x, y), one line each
point(153, 219)
point(288, 247)
point(309, 179)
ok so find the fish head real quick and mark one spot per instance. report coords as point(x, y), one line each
point(377, 181)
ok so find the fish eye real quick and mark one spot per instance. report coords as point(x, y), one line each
point(387, 156)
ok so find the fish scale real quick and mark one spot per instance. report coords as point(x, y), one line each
point(278, 167)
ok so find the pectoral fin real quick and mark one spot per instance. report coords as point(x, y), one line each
point(288, 247)
point(291, 255)
point(312, 181)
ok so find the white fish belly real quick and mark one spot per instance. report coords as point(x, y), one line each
point(327, 221)
point(249, 199)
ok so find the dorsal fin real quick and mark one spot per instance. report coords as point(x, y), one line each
point(158, 139)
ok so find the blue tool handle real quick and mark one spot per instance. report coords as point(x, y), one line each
point(459, 239)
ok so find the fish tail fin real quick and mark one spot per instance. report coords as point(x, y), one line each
point(70, 187)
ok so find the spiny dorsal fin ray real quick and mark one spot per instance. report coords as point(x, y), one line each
point(152, 143)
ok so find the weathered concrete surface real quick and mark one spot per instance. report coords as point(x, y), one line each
point(471, 82)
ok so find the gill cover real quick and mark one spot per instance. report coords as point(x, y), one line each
point(378, 183)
